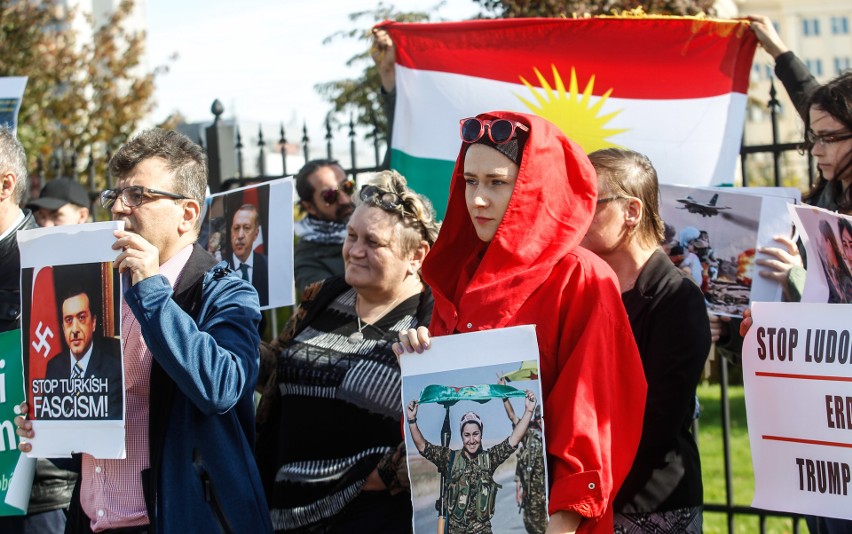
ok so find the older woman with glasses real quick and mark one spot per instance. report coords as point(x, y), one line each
point(663, 491)
point(521, 199)
point(329, 445)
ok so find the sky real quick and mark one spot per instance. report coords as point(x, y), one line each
point(260, 58)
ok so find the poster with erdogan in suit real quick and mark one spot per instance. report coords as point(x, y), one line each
point(70, 335)
point(251, 228)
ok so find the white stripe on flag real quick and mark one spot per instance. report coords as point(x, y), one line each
point(690, 141)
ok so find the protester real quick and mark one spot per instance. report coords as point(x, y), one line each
point(52, 486)
point(471, 491)
point(62, 201)
point(521, 199)
point(827, 114)
point(326, 196)
point(329, 446)
point(189, 331)
point(663, 491)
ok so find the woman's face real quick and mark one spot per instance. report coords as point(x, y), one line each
point(471, 437)
point(832, 157)
point(846, 244)
point(489, 181)
point(608, 228)
point(371, 252)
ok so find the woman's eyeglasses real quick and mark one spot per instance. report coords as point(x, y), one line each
point(499, 131)
point(132, 196)
point(332, 194)
point(827, 138)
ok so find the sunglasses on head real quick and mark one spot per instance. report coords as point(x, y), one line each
point(499, 131)
point(386, 200)
point(332, 194)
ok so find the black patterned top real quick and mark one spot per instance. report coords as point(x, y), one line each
point(332, 407)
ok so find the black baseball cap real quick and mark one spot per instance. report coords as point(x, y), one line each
point(56, 193)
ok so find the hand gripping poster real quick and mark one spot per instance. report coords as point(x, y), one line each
point(70, 334)
point(252, 229)
point(797, 370)
point(475, 433)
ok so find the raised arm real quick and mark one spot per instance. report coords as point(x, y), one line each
point(419, 441)
point(522, 425)
point(510, 412)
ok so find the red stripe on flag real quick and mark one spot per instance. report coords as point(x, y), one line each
point(45, 332)
point(647, 58)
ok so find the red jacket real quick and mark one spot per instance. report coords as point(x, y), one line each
point(535, 272)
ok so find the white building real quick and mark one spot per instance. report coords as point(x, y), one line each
point(819, 33)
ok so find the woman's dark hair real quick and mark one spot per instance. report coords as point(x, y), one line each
point(834, 98)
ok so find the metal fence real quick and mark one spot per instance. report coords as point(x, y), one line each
point(776, 151)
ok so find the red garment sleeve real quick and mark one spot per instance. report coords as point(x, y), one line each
point(595, 403)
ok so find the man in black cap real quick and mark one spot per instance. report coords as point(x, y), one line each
point(62, 201)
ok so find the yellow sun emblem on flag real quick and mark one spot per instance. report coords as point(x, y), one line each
point(575, 114)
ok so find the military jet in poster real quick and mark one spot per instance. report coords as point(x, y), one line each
point(705, 210)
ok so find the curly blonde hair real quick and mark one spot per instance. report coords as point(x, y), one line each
point(414, 211)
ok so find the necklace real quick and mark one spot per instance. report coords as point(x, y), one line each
point(358, 337)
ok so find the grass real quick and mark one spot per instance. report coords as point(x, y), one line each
point(713, 465)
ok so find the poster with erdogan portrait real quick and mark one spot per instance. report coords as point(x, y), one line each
point(251, 228)
point(70, 335)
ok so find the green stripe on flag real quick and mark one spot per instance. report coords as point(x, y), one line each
point(429, 177)
point(482, 393)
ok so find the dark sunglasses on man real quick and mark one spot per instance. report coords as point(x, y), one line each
point(332, 194)
point(132, 196)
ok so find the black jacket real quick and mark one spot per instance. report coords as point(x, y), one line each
point(669, 320)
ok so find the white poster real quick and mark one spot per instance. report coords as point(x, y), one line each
point(797, 368)
point(490, 379)
point(714, 234)
point(252, 229)
point(828, 242)
point(11, 94)
point(71, 336)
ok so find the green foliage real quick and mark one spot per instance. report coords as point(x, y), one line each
point(360, 96)
point(81, 95)
point(576, 8)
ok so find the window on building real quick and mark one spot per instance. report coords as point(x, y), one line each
point(839, 25)
point(841, 64)
point(810, 27)
point(815, 66)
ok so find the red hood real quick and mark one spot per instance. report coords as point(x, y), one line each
point(550, 210)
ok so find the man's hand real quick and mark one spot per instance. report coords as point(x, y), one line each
point(138, 256)
point(25, 428)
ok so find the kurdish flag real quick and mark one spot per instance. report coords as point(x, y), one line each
point(481, 393)
point(673, 88)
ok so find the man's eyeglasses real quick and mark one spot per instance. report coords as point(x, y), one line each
point(499, 131)
point(827, 138)
point(132, 196)
point(331, 195)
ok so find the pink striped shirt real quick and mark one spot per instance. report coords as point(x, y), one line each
point(111, 490)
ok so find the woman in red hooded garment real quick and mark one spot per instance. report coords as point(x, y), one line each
point(521, 199)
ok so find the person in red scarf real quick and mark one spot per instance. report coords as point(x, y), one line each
point(521, 199)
